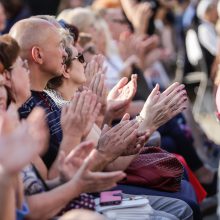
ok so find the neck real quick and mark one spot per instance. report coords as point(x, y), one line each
point(67, 89)
point(38, 79)
point(20, 101)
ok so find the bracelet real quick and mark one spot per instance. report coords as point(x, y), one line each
point(139, 119)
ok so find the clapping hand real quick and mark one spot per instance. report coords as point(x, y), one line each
point(120, 97)
point(78, 117)
point(24, 142)
point(161, 107)
point(76, 168)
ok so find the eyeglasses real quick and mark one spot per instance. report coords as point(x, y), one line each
point(80, 58)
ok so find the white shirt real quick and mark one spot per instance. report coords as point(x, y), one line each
point(208, 37)
point(114, 67)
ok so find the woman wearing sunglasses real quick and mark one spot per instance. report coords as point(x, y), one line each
point(62, 88)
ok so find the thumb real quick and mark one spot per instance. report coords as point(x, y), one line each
point(155, 91)
point(86, 164)
point(61, 158)
point(134, 77)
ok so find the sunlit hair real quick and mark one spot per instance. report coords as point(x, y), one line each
point(105, 4)
point(9, 51)
point(83, 18)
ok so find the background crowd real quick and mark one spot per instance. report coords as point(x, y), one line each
point(100, 95)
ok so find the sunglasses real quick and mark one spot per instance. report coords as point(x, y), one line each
point(79, 57)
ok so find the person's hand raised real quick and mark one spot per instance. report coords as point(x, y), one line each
point(95, 66)
point(120, 97)
point(67, 169)
point(118, 140)
point(78, 117)
point(161, 107)
point(97, 86)
point(24, 143)
point(76, 168)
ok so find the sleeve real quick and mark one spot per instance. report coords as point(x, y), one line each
point(208, 39)
point(21, 213)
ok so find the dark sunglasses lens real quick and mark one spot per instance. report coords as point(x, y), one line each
point(81, 58)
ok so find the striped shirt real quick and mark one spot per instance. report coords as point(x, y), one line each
point(53, 114)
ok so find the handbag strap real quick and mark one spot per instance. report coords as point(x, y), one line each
point(40, 177)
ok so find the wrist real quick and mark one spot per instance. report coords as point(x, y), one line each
point(145, 125)
point(101, 159)
point(76, 185)
point(7, 178)
point(68, 142)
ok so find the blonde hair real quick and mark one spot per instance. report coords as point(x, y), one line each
point(83, 18)
point(106, 4)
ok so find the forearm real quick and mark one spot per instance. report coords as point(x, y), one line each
point(7, 197)
point(47, 204)
point(128, 6)
point(146, 124)
point(94, 134)
point(54, 183)
point(120, 163)
point(69, 142)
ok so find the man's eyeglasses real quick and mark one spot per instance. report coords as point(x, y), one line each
point(80, 58)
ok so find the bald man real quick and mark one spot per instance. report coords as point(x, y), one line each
point(40, 41)
point(42, 45)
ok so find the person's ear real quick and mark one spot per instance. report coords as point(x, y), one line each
point(37, 54)
point(66, 73)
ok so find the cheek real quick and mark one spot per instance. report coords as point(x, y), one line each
point(78, 74)
point(21, 81)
